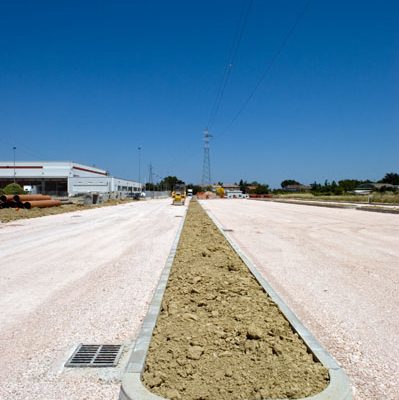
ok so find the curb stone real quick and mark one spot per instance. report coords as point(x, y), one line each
point(132, 387)
point(346, 206)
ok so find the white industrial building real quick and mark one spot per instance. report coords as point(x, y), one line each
point(64, 178)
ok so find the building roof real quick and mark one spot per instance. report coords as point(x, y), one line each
point(231, 186)
point(51, 164)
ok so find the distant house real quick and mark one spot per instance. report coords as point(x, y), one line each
point(231, 186)
point(297, 188)
point(369, 187)
point(235, 194)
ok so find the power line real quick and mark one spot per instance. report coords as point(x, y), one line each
point(206, 165)
point(269, 66)
point(242, 22)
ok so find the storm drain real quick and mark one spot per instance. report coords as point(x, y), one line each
point(95, 355)
point(228, 230)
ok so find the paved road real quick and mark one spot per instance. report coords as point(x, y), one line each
point(338, 270)
point(79, 277)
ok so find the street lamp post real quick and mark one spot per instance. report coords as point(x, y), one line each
point(14, 148)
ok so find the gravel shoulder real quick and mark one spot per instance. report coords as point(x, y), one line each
point(85, 276)
point(338, 270)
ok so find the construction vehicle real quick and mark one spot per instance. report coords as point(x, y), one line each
point(179, 195)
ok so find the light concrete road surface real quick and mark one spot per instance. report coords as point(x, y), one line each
point(81, 277)
point(338, 270)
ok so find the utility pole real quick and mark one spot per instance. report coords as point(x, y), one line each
point(14, 148)
point(139, 150)
point(151, 181)
point(206, 165)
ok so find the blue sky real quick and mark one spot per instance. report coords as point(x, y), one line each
point(90, 81)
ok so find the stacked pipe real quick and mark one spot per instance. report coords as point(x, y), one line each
point(27, 201)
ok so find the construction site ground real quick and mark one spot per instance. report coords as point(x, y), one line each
point(338, 270)
point(88, 276)
point(79, 277)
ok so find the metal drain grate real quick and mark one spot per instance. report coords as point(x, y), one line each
point(95, 355)
point(228, 230)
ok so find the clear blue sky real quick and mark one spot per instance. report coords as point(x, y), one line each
point(89, 81)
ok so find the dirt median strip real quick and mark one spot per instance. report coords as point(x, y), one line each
point(219, 335)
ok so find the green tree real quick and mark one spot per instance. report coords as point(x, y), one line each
point(391, 178)
point(196, 188)
point(243, 186)
point(288, 182)
point(315, 187)
point(169, 182)
point(349, 185)
point(262, 189)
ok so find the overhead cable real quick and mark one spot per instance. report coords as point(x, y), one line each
point(269, 66)
point(246, 6)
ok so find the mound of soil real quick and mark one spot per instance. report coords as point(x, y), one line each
point(219, 335)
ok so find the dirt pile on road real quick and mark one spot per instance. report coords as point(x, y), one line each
point(219, 336)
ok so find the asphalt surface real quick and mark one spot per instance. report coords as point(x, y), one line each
point(338, 270)
point(81, 277)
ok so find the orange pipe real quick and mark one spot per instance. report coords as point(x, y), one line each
point(29, 197)
point(42, 203)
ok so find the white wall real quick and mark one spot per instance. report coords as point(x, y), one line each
point(101, 185)
point(81, 178)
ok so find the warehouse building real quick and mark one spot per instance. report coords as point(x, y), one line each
point(64, 178)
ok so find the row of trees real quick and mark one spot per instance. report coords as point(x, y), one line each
point(166, 183)
point(345, 185)
point(333, 187)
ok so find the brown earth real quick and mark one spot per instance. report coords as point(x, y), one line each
point(14, 214)
point(219, 335)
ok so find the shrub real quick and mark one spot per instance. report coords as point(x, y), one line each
point(13, 188)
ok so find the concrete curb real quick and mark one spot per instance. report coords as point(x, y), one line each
point(382, 210)
point(347, 206)
point(132, 388)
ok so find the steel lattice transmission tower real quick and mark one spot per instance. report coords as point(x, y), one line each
point(206, 166)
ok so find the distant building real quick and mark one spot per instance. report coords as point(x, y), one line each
point(251, 188)
point(297, 188)
point(369, 187)
point(231, 186)
point(63, 178)
point(235, 194)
